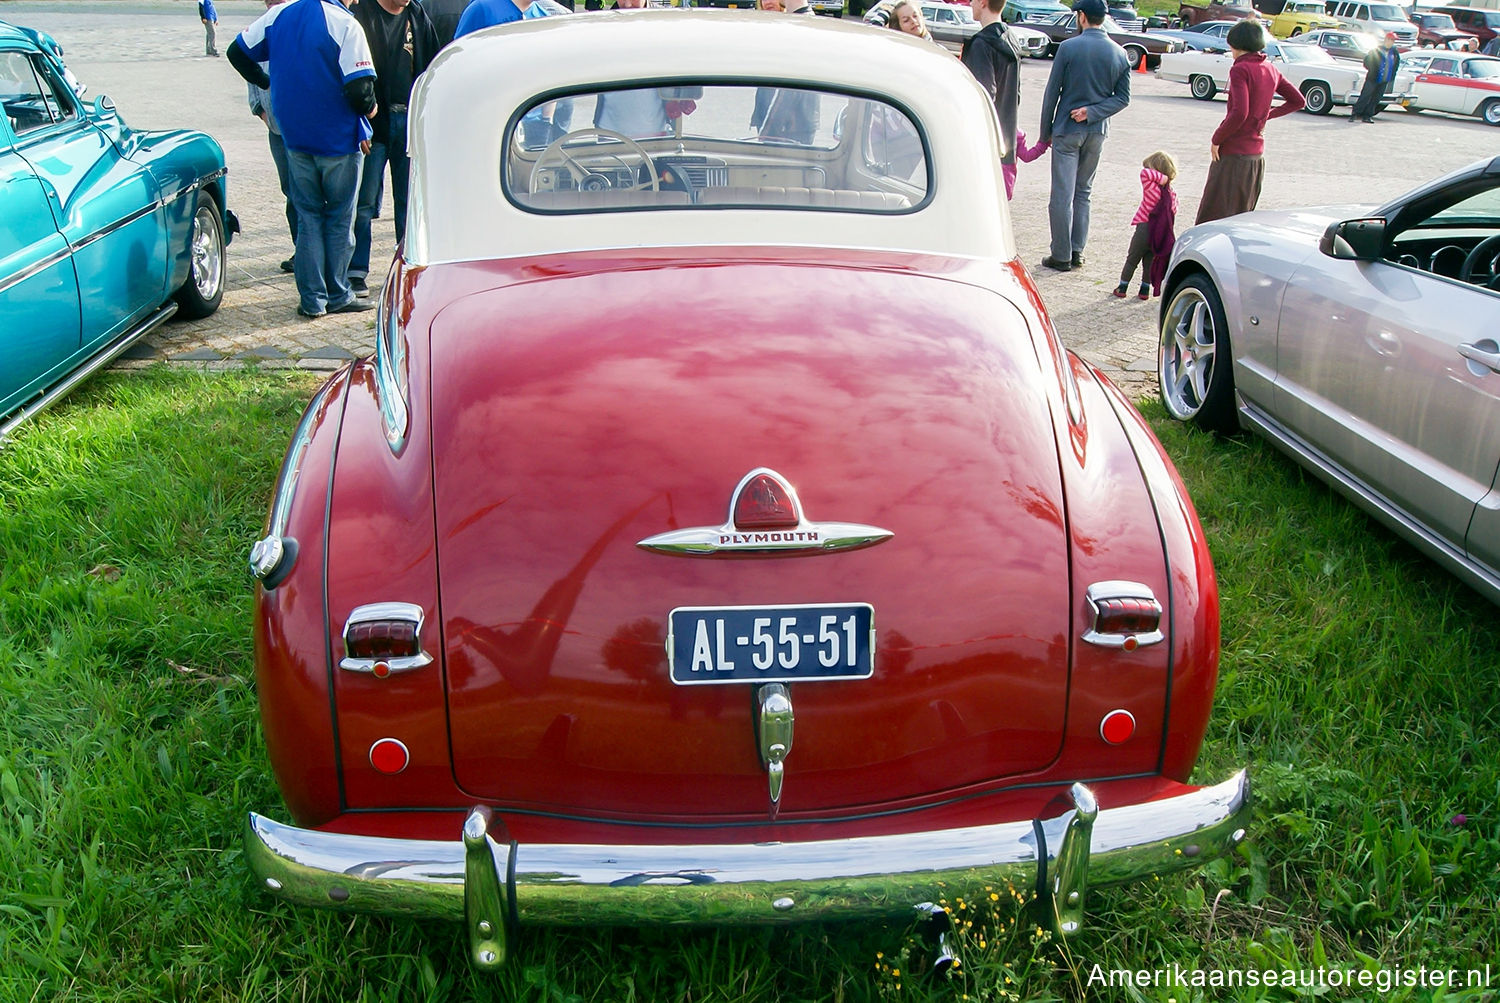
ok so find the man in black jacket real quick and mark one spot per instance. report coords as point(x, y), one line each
point(993, 56)
point(403, 41)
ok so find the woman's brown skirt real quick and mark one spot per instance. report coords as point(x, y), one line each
point(1233, 186)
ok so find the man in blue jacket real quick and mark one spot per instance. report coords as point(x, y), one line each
point(1090, 81)
point(322, 84)
point(210, 19)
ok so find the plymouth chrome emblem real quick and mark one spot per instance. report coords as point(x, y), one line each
point(765, 517)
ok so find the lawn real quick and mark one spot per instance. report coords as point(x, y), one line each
point(1359, 682)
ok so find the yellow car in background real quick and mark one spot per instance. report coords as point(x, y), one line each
point(1300, 16)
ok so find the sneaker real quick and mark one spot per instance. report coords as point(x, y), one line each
point(1120, 290)
point(353, 306)
point(290, 264)
point(303, 313)
point(1055, 265)
point(1145, 293)
point(1078, 261)
point(361, 289)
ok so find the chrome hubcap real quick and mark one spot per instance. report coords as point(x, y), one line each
point(1186, 359)
point(208, 254)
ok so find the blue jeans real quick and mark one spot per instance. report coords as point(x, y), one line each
point(324, 190)
point(1075, 158)
point(372, 190)
point(284, 178)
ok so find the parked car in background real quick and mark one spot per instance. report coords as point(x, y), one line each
point(1126, 16)
point(1482, 23)
point(1361, 341)
point(573, 610)
point(833, 8)
point(1205, 36)
point(1215, 10)
point(1300, 16)
point(1438, 30)
point(1030, 10)
point(949, 23)
point(1034, 43)
point(1340, 43)
point(1462, 83)
point(1142, 47)
point(107, 230)
point(1323, 81)
point(1379, 19)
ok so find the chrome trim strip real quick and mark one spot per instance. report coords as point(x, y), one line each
point(30, 270)
point(120, 223)
point(271, 558)
point(97, 361)
point(804, 537)
point(751, 883)
point(388, 359)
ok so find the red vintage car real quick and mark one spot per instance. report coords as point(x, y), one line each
point(721, 532)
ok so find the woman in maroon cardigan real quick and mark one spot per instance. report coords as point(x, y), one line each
point(1238, 168)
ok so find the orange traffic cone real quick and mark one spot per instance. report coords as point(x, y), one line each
point(1141, 66)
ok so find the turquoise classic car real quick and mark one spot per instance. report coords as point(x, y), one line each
point(105, 231)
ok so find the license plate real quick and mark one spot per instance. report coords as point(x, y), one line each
point(771, 644)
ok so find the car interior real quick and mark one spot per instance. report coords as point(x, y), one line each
point(1454, 233)
point(720, 145)
point(31, 100)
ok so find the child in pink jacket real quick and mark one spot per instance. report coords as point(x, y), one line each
point(1025, 154)
point(1154, 220)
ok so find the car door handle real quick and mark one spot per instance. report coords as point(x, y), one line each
point(1486, 353)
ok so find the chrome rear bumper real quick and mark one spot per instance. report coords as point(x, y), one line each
point(493, 886)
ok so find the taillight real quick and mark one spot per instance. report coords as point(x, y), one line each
point(384, 637)
point(1123, 615)
point(764, 502)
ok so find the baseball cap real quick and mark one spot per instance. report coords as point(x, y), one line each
point(1094, 10)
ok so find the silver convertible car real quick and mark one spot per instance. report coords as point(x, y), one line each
point(1363, 342)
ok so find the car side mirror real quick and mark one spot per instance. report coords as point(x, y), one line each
point(103, 106)
point(1354, 240)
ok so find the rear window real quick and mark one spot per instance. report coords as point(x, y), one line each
point(715, 146)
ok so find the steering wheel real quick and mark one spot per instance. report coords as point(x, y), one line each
point(1484, 253)
point(579, 172)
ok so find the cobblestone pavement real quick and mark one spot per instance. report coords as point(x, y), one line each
point(147, 55)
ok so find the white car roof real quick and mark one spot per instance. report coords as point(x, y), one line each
point(461, 105)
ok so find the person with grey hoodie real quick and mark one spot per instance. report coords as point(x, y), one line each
point(994, 57)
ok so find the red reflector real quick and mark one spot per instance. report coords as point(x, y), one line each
point(382, 639)
point(1126, 616)
point(764, 503)
point(1117, 726)
point(389, 755)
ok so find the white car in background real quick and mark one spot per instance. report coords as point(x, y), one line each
point(1323, 80)
point(1464, 83)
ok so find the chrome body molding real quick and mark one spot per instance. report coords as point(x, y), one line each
point(390, 370)
point(377, 611)
point(1105, 595)
point(16, 278)
point(801, 536)
point(99, 360)
point(750, 883)
point(272, 556)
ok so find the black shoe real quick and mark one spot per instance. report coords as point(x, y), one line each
point(290, 264)
point(303, 313)
point(1078, 261)
point(353, 306)
point(1369, 119)
point(360, 288)
point(1055, 265)
point(1356, 118)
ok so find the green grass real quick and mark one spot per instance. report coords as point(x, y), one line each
point(1359, 682)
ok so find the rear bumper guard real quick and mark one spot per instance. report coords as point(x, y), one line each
point(493, 887)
